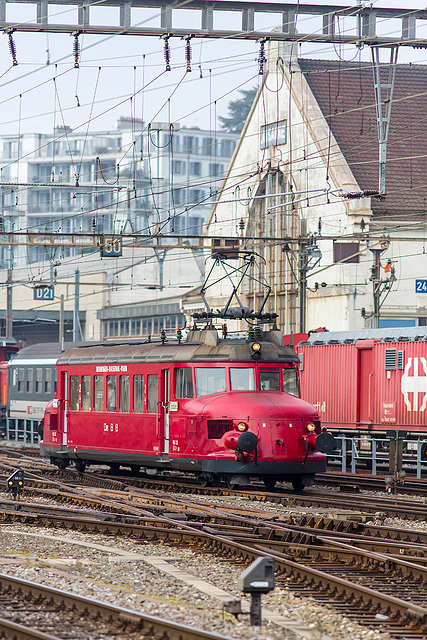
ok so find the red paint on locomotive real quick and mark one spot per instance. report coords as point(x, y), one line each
point(206, 406)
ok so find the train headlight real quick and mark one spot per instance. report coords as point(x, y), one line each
point(242, 426)
point(256, 350)
point(310, 427)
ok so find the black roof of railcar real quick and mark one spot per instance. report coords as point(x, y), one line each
point(200, 346)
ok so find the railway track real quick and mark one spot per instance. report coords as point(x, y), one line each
point(341, 562)
point(41, 479)
point(34, 611)
point(370, 572)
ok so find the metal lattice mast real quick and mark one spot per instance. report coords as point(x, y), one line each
point(383, 102)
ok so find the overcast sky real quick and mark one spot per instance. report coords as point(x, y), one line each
point(112, 69)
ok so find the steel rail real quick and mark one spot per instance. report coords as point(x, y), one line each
point(21, 632)
point(151, 625)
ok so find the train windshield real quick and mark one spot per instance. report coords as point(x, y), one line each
point(290, 381)
point(242, 379)
point(269, 379)
point(210, 380)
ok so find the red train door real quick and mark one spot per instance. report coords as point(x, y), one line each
point(62, 422)
point(163, 409)
point(365, 381)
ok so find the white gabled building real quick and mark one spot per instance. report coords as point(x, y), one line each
point(310, 140)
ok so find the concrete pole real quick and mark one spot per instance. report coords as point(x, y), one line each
point(76, 320)
point(61, 323)
point(9, 318)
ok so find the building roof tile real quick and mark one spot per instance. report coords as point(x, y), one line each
point(345, 94)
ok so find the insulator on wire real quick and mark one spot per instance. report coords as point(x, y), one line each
point(93, 225)
point(1, 224)
point(76, 51)
point(188, 53)
point(12, 49)
point(167, 53)
point(262, 57)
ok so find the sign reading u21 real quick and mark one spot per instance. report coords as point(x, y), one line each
point(111, 247)
point(43, 292)
point(421, 286)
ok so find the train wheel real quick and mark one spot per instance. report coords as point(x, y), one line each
point(114, 468)
point(229, 482)
point(269, 483)
point(61, 463)
point(80, 466)
point(424, 451)
point(298, 485)
point(205, 479)
point(135, 468)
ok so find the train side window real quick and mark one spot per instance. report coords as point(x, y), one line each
point(290, 381)
point(29, 384)
point(39, 380)
point(152, 393)
point(99, 393)
point(111, 393)
point(242, 379)
point(125, 394)
point(184, 383)
point(48, 381)
point(74, 393)
point(210, 380)
point(86, 393)
point(138, 394)
point(21, 375)
point(269, 379)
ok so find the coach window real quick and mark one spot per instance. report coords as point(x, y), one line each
point(210, 380)
point(39, 380)
point(138, 394)
point(111, 393)
point(99, 393)
point(290, 381)
point(125, 394)
point(48, 381)
point(21, 375)
point(86, 393)
point(29, 385)
point(152, 393)
point(242, 379)
point(269, 379)
point(184, 383)
point(74, 393)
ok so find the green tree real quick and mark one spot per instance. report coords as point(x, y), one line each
point(238, 111)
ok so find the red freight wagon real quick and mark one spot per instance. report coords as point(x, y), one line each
point(224, 409)
point(367, 381)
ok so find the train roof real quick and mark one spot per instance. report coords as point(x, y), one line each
point(199, 346)
point(403, 334)
point(5, 341)
point(41, 351)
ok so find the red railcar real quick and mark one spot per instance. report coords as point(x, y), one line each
point(8, 349)
point(367, 381)
point(224, 409)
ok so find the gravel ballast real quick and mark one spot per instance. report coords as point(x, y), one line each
point(179, 583)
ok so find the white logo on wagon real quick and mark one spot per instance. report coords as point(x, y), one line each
point(414, 384)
